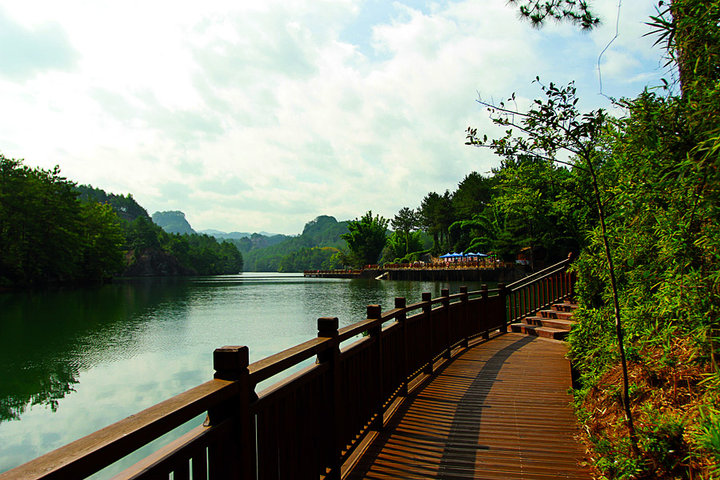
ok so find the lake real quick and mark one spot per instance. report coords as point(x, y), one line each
point(73, 361)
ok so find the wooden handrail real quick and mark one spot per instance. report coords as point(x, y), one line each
point(279, 362)
point(99, 449)
point(544, 273)
point(245, 434)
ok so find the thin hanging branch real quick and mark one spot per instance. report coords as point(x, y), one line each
point(556, 125)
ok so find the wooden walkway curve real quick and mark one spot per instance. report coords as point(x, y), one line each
point(499, 410)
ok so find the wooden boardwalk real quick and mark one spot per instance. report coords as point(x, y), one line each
point(500, 410)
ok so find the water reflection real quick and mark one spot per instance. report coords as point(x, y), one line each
point(46, 338)
point(74, 361)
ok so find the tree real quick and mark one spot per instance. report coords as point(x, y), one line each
point(688, 31)
point(47, 234)
point(404, 223)
point(551, 127)
point(473, 194)
point(366, 238)
point(527, 194)
point(436, 216)
point(142, 234)
point(403, 249)
point(102, 242)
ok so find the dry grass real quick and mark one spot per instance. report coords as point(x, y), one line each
point(667, 392)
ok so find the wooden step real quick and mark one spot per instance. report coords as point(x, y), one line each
point(556, 314)
point(559, 323)
point(565, 307)
point(546, 332)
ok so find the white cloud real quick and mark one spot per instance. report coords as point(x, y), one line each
point(262, 115)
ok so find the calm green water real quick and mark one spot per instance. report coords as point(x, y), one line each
point(74, 361)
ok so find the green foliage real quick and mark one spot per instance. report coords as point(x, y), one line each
point(52, 231)
point(400, 247)
point(613, 461)
point(527, 203)
point(141, 234)
point(124, 206)
point(256, 241)
point(295, 254)
point(573, 11)
point(708, 437)
point(366, 239)
point(404, 223)
point(659, 186)
point(103, 240)
point(663, 440)
point(474, 193)
point(47, 234)
point(207, 256)
point(436, 215)
point(315, 258)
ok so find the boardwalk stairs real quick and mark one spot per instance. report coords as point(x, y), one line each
point(554, 323)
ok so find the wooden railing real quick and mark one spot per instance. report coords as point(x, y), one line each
point(310, 423)
point(539, 290)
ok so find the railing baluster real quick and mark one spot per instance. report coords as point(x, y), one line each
point(374, 313)
point(465, 329)
point(429, 330)
point(328, 328)
point(503, 293)
point(400, 302)
point(231, 363)
point(484, 295)
point(445, 294)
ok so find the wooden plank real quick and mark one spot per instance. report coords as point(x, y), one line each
point(499, 410)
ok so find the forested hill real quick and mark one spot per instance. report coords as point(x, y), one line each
point(317, 247)
point(166, 244)
point(55, 232)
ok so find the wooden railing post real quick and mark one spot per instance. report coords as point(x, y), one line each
point(427, 314)
point(503, 293)
point(484, 295)
point(445, 294)
point(231, 363)
point(400, 302)
point(465, 315)
point(328, 328)
point(374, 313)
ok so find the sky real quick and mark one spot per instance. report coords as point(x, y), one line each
point(262, 115)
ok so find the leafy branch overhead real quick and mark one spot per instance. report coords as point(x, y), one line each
point(573, 11)
point(547, 128)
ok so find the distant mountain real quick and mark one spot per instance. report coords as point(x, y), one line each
point(314, 248)
point(231, 235)
point(172, 222)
